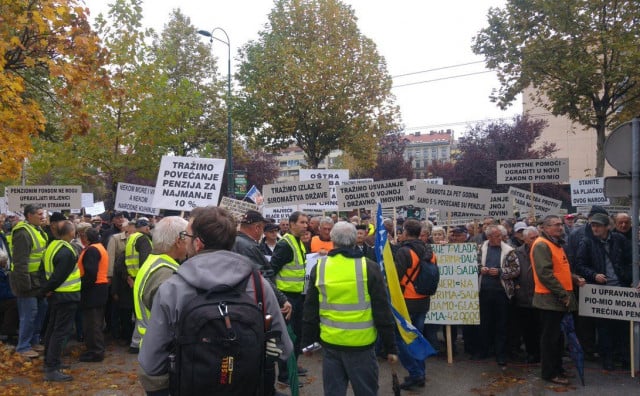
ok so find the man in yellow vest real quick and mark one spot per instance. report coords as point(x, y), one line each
point(346, 309)
point(169, 248)
point(94, 267)
point(29, 242)
point(553, 295)
point(288, 263)
point(136, 251)
point(62, 289)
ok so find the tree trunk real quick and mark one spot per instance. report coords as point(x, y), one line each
point(600, 139)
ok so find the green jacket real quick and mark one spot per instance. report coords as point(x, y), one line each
point(543, 265)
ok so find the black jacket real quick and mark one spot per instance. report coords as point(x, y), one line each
point(591, 258)
point(64, 262)
point(380, 307)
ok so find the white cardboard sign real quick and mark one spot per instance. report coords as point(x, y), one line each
point(543, 205)
point(51, 198)
point(622, 303)
point(185, 183)
point(549, 170)
point(457, 298)
point(453, 198)
point(135, 198)
point(588, 192)
point(389, 193)
point(295, 193)
point(278, 213)
point(500, 206)
point(236, 207)
point(335, 177)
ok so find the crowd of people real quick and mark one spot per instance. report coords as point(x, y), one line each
point(92, 276)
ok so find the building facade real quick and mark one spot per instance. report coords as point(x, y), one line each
point(424, 149)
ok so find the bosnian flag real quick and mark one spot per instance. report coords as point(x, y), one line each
point(254, 195)
point(415, 343)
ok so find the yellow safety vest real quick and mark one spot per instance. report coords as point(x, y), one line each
point(72, 283)
point(153, 263)
point(39, 244)
point(346, 318)
point(131, 254)
point(290, 278)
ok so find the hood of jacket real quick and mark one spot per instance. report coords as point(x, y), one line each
point(213, 268)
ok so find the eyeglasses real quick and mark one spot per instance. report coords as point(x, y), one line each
point(183, 235)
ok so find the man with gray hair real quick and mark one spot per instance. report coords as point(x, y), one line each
point(346, 308)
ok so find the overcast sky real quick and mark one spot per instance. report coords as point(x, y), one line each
point(413, 35)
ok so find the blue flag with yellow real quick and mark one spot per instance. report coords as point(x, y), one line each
point(417, 346)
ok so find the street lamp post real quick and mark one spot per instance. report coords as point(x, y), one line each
point(230, 181)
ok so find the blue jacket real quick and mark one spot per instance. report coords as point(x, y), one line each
point(5, 288)
point(590, 259)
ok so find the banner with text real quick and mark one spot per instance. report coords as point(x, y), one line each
point(542, 205)
point(86, 199)
point(550, 170)
point(389, 193)
point(96, 209)
point(51, 198)
point(135, 198)
point(588, 192)
point(185, 183)
point(295, 193)
point(456, 301)
point(236, 207)
point(467, 200)
point(278, 213)
point(622, 303)
point(335, 177)
point(500, 206)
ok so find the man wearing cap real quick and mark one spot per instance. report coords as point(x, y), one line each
point(55, 221)
point(517, 239)
point(29, 242)
point(606, 259)
point(569, 220)
point(459, 234)
point(553, 295)
point(252, 225)
point(268, 242)
point(578, 233)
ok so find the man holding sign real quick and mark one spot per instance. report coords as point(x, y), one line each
point(606, 259)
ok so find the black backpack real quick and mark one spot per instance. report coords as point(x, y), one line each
point(219, 347)
point(424, 276)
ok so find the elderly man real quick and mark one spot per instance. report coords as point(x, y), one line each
point(346, 309)
point(322, 243)
point(606, 259)
point(210, 235)
point(622, 225)
point(170, 247)
point(553, 295)
point(62, 288)
point(29, 242)
point(526, 317)
point(499, 266)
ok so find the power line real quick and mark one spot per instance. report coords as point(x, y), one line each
point(442, 78)
point(436, 69)
point(426, 127)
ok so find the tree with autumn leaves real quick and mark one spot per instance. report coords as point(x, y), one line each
point(49, 59)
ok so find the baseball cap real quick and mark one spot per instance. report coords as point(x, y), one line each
point(142, 222)
point(251, 217)
point(271, 227)
point(460, 230)
point(519, 226)
point(570, 216)
point(600, 218)
point(597, 209)
point(57, 216)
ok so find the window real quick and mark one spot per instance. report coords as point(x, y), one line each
point(292, 163)
point(283, 164)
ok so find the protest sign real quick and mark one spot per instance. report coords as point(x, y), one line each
point(500, 206)
point(295, 193)
point(389, 193)
point(278, 213)
point(588, 192)
point(51, 198)
point(185, 183)
point(622, 303)
point(434, 180)
point(236, 207)
point(135, 198)
point(611, 209)
point(357, 181)
point(549, 170)
point(456, 301)
point(335, 177)
point(542, 205)
point(86, 199)
point(96, 209)
point(453, 198)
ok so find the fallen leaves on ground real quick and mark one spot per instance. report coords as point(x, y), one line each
point(497, 383)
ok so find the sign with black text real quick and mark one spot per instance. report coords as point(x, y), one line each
point(236, 207)
point(335, 177)
point(500, 206)
point(295, 193)
point(471, 201)
point(542, 205)
point(588, 192)
point(389, 193)
point(51, 198)
point(135, 198)
point(622, 303)
point(185, 183)
point(549, 170)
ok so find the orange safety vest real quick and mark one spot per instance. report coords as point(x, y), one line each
point(103, 264)
point(317, 244)
point(409, 291)
point(561, 268)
